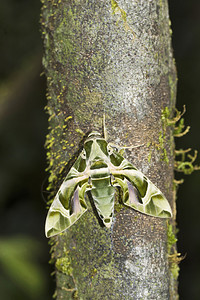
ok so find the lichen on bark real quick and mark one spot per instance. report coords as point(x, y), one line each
point(94, 65)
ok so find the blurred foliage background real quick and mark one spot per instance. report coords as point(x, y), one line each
point(185, 18)
point(24, 251)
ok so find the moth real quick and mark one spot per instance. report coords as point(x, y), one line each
point(99, 170)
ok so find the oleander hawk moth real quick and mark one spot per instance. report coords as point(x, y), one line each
point(100, 169)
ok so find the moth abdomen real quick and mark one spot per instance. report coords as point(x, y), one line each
point(103, 194)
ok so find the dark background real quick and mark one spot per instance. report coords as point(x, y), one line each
point(24, 251)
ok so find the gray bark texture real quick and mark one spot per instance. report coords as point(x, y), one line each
point(111, 57)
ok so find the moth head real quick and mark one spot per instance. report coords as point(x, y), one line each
point(93, 135)
point(96, 147)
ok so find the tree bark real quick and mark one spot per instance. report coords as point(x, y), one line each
point(111, 57)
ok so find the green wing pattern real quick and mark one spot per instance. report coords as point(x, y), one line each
point(68, 205)
point(139, 192)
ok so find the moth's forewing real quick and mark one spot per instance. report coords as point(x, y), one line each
point(69, 204)
point(138, 191)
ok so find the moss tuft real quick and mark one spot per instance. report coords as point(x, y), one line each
point(185, 164)
point(171, 238)
point(63, 265)
point(117, 10)
point(162, 138)
point(173, 255)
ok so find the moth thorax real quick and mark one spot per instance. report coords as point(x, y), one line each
point(98, 164)
point(100, 173)
point(98, 168)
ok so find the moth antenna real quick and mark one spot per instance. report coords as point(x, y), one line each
point(122, 149)
point(132, 147)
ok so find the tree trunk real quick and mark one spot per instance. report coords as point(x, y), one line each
point(113, 57)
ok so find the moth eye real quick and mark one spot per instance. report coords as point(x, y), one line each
point(83, 154)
